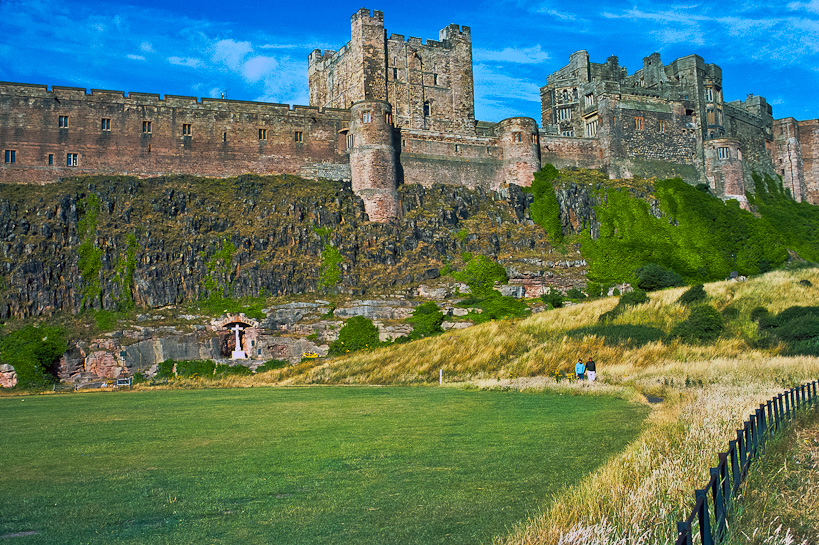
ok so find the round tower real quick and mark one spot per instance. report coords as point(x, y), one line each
point(373, 161)
point(519, 140)
point(724, 168)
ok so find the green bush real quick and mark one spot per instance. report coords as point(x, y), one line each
point(633, 298)
point(480, 274)
point(225, 369)
point(694, 294)
point(34, 353)
point(164, 369)
point(500, 306)
point(554, 298)
point(575, 293)
point(358, 333)
point(704, 324)
point(594, 289)
point(426, 320)
point(801, 328)
point(271, 365)
point(195, 368)
point(759, 312)
point(730, 313)
point(139, 378)
point(653, 277)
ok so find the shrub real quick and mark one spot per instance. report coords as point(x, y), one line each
point(633, 298)
point(164, 369)
point(704, 324)
point(594, 289)
point(554, 299)
point(480, 274)
point(730, 313)
point(694, 294)
point(501, 306)
point(805, 283)
point(195, 368)
point(225, 369)
point(139, 378)
point(426, 320)
point(271, 365)
point(799, 329)
point(575, 293)
point(33, 352)
point(652, 277)
point(358, 333)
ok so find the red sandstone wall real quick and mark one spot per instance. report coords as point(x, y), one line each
point(563, 152)
point(224, 135)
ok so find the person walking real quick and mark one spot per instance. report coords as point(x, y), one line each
point(591, 370)
point(580, 369)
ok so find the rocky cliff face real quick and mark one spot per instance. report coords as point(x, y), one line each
point(106, 241)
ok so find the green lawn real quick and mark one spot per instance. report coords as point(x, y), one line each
point(294, 466)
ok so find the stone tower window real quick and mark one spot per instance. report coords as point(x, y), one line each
point(395, 73)
point(350, 141)
point(299, 137)
point(661, 125)
point(427, 108)
point(224, 137)
point(516, 137)
point(62, 122)
point(709, 94)
point(105, 124)
point(366, 117)
point(388, 118)
point(589, 100)
point(724, 153)
point(564, 114)
point(71, 160)
point(534, 139)
point(146, 127)
point(186, 129)
point(262, 134)
point(638, 123)
point(435, 79)
point(10, 156)
point(51, 159)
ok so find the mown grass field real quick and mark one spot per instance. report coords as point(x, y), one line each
point(296, 465)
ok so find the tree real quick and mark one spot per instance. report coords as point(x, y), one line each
point(33, 352)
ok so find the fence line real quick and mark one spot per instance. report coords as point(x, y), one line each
point(711, 516)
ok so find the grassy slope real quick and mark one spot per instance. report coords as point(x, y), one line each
point(708, 390)
point(296, 466)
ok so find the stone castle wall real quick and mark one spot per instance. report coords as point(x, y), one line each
point(68, 131)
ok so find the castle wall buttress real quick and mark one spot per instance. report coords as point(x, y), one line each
point(787, 158)
point(809, 145)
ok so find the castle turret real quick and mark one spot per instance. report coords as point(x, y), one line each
point(519, 141)
point(373, 161)
point(723, 168)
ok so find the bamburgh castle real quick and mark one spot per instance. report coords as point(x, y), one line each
point(387, 109)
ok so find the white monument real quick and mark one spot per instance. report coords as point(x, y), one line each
point(238, 354)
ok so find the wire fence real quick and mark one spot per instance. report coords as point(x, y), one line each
point(708, 520)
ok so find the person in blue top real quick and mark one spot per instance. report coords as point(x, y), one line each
point(580, 369)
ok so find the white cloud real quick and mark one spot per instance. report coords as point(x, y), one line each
point(255, 68)
point(136, 57)
point(531, 55)
point(557, 14)
point(146, 47)
point(185, 61)
point(811, 7)
point(231, 53)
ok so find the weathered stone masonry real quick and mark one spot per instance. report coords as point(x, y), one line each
point(389, 109)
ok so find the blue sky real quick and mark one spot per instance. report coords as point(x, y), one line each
point(257, 49)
